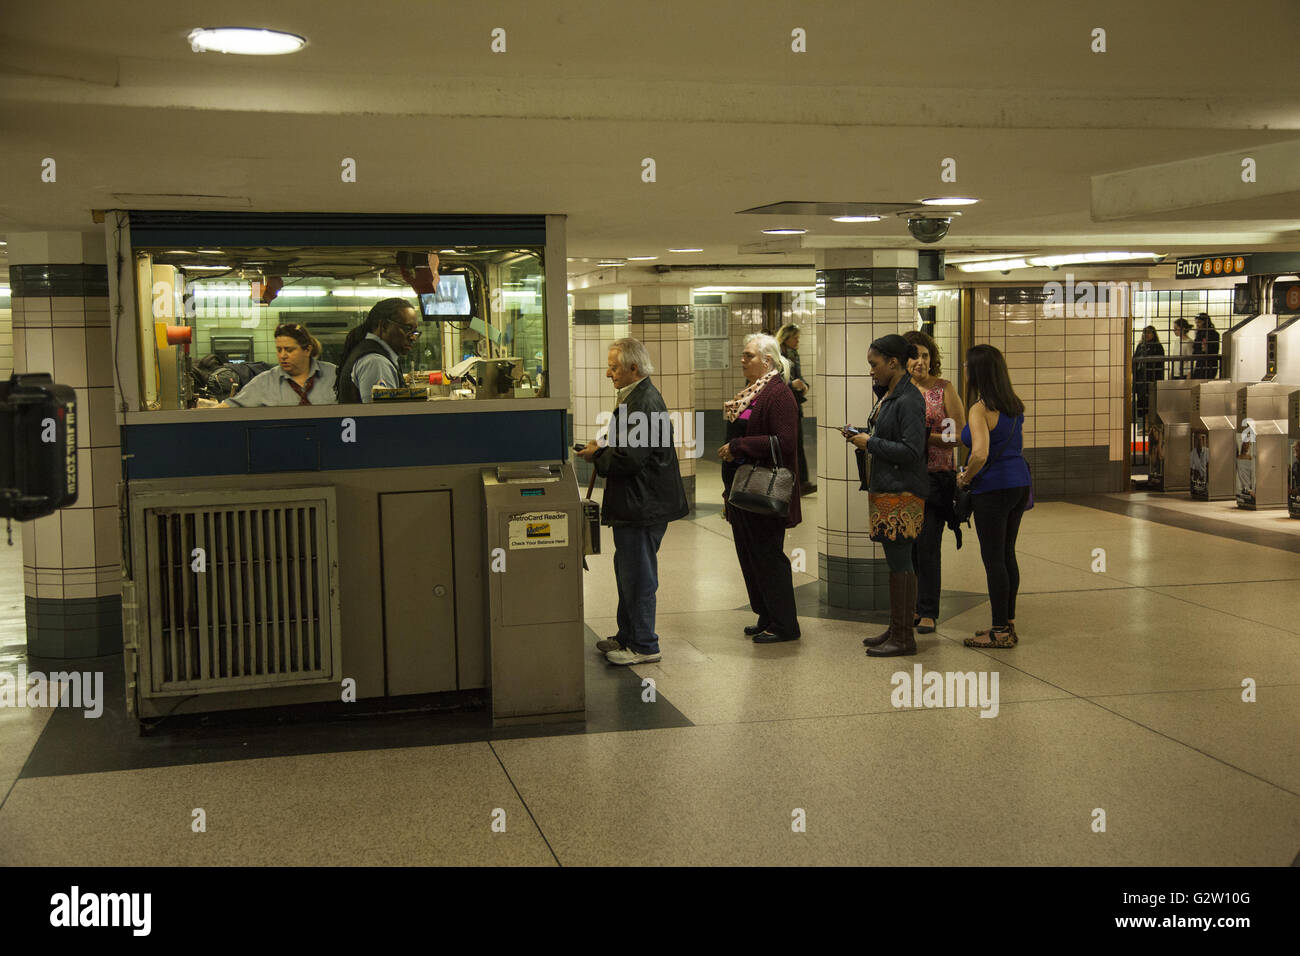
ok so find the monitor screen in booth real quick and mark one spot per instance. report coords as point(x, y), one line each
point(450, 299)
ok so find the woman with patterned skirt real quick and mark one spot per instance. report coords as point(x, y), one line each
point(895, 440)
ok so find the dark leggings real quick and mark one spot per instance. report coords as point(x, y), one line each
point(928, 548)
point(997, 522)
point(898, 554)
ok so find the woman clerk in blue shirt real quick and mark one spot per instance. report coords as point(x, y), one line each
point(300, 378)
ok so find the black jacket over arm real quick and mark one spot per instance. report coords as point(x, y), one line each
point(643, 482)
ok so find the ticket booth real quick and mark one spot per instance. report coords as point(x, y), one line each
point(1213, 441)
point(1262, 452)
point(1169, 437)
point(330, 550)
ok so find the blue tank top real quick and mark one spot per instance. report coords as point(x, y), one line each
point(1006, 466)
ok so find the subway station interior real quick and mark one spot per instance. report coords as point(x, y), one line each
point(276, 634)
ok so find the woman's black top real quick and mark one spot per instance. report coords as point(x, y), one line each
point(1148, 371)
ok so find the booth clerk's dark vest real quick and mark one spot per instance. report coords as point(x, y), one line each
point(344, 388)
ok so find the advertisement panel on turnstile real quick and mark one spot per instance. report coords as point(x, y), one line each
point(1261, 472)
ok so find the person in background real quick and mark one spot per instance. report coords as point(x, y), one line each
point(765, 407)
point(998, 476)
point(1146, 373)
point(898, 486)
point(944, 419)
point(1206, 347)
point(373, 350)
point(1186, 346)
point(788, 339)
point(300, 378)
point(643, 492)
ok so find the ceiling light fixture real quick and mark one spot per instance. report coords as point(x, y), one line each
point(949, 201)
point(1086, 258)
point(248, 41)
point(685, 250)
point(641, 258)
point(784, 231)
point(708, 289)
point(996, 265)
point(856, 218)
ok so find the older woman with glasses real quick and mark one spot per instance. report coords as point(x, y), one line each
point(300, 378)
point(373, 350)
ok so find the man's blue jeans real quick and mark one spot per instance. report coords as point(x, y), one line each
point(636, 570)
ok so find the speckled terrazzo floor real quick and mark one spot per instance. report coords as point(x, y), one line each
point(1124, 695)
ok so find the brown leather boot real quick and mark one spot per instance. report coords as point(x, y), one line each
point(902, 606)
point(897, 595)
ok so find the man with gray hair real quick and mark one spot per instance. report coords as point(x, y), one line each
point(643, 492)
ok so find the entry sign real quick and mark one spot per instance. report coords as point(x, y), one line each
point(539, 529)
point(1206, 267)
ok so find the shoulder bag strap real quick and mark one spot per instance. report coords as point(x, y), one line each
point(776, 450)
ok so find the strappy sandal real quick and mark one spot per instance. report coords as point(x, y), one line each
point(1011, 629)
point(992, 638)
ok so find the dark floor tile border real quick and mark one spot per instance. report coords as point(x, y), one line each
point(73, 744)
point(1279, 540)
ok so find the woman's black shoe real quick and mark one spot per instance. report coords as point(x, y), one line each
point(767, 637)
point(755, 629)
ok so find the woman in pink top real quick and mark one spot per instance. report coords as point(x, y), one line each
point(944, 419)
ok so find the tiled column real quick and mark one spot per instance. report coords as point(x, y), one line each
point(72, 558)
point(660, 318)
point(862, 295)
point(598, 319)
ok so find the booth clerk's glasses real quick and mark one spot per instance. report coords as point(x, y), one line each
point(412, 332)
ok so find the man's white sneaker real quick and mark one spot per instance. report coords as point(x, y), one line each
point(629, 656)
point(607, 644)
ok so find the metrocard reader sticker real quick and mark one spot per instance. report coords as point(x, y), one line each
point(539, 529)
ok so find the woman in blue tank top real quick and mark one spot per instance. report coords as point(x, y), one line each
point(998, 477)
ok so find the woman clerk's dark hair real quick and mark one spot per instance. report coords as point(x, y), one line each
point(988, 380)
point(385, 310)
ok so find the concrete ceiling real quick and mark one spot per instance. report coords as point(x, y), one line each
point(561, 121)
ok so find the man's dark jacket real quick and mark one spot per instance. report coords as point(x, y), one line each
point(345, 389)
point(643, 484)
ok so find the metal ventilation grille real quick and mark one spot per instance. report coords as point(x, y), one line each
point(240, 596)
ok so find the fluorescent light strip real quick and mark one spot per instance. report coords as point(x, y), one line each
point(998, 265)
point(713, 289)
point(1084, 258)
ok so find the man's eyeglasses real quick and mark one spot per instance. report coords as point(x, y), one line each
point(410, 331)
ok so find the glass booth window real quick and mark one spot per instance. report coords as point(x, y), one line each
point(240, 327)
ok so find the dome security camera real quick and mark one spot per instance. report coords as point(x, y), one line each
point(928, 228)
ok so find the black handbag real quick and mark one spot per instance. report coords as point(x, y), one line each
point(762, 489)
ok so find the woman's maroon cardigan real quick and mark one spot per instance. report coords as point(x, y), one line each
point(774, 412)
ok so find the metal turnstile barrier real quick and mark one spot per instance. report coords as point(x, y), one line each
point(1262, 452)
point(1213, 452)
point(1293, 455)
point(1168, 438)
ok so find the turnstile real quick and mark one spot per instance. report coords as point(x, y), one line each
point(1168, 438)
point(1293, 457)
point(533, 565)
point(1213, 452)
point(1262, 452)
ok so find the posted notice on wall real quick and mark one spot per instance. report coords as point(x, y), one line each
point(539, 529)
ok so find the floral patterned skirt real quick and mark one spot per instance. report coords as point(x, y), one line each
point(895, 516)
